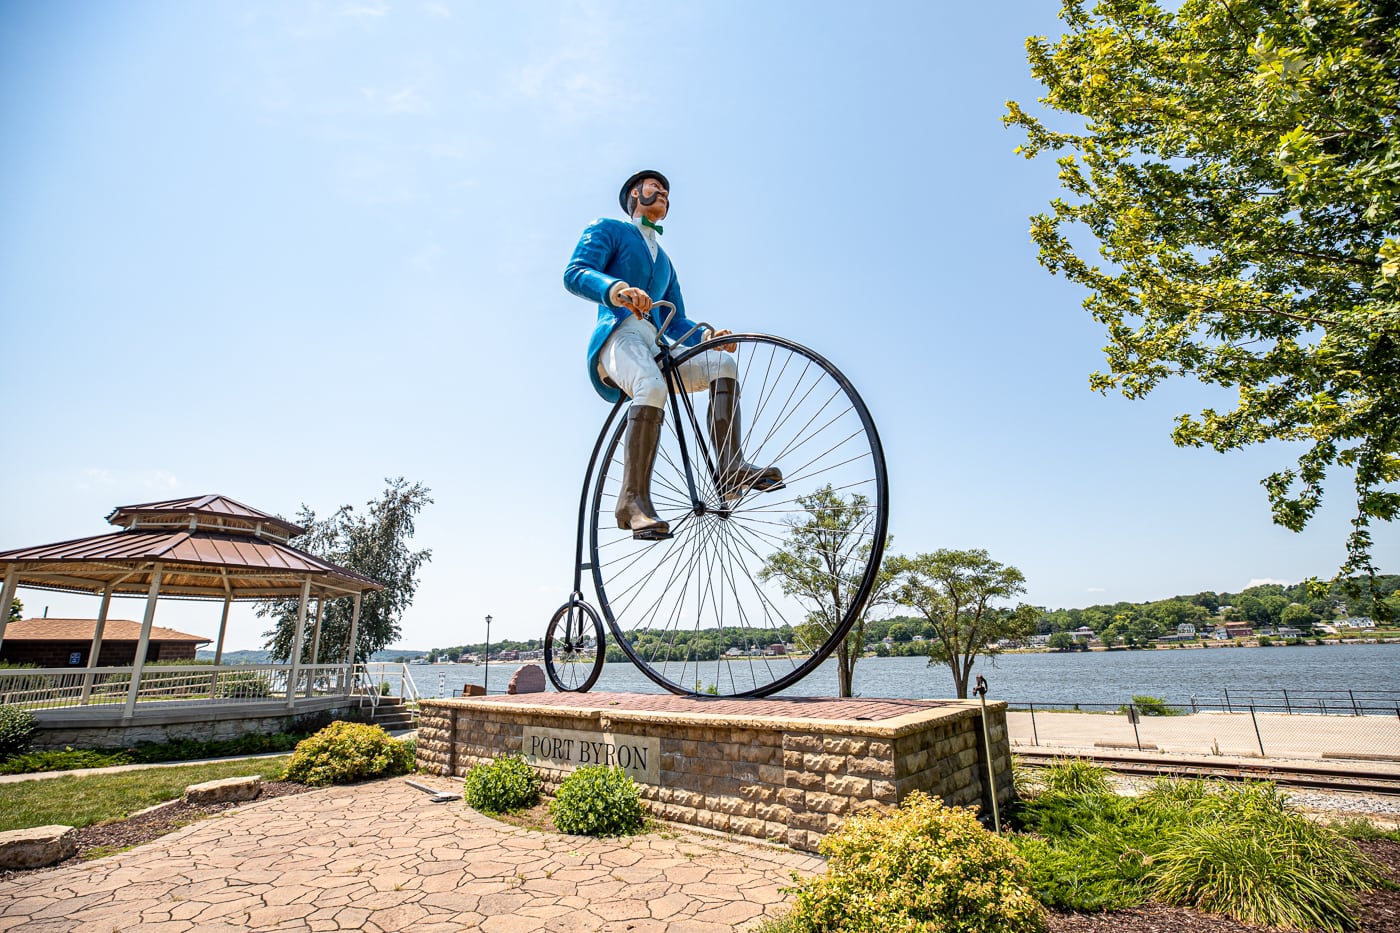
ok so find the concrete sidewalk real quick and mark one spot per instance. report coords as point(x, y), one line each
point(381, 857)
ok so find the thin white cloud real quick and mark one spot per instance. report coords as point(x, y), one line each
point(1097, 589)
point(364, 10)
point(440, 10)
point(404, 100)
point(427, 258)
point(1265, 581)
point(161, 479)
point(582, 74)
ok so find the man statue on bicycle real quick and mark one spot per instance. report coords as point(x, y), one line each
point(620, 266)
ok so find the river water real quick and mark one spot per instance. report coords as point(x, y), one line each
point(1108, 677)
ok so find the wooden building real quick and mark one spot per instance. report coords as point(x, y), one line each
point(68, 643)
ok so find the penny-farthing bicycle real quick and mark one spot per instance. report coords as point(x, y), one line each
point(755, 588)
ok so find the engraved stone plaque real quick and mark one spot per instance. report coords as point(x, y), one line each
point(567, 749)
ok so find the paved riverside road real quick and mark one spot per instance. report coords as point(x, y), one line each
point(1340, 742)
point(382, 857)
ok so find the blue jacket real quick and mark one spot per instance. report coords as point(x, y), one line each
point(614, 250)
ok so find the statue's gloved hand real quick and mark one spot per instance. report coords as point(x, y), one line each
point(631, 297)
point(726, 347)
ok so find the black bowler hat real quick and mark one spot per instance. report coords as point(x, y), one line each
point(631, 182)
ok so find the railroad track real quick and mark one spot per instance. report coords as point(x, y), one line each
point(1292, 775)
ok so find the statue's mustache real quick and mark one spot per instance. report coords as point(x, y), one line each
point(648, 202)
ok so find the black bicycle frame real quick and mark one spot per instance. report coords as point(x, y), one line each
point(673, 389)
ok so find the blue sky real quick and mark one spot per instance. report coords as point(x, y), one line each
point(280, 251)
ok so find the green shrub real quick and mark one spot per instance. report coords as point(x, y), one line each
point(244, 684)
point(1358, 828)
point(344, 752)
point(921, 867)
point(1234, 849)
point(70, 759)
point(597, 801)
point(505, 784)
point(1266, 876)
point(1077, 777)
point(1153, 706)
point(16, 730)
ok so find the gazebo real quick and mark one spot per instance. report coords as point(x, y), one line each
point(204, 547)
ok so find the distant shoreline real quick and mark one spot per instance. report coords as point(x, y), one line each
point(1201, 646)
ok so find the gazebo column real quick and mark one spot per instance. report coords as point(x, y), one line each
point(316, 642)
point(143, 644)
point(293, 677)
point(219, 650)
point(95, 651)
point(7, 598)
point(348, 662)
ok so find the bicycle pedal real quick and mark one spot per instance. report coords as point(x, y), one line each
point(650, 536)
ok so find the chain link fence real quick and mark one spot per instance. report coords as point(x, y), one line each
point(1340, 726)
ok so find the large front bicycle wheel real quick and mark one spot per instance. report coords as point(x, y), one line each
point(750, 594)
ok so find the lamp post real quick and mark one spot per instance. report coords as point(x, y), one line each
point(486, 677)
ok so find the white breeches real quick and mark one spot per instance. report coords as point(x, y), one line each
point(628, 361)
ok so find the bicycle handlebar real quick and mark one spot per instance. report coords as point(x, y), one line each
point(661, 331)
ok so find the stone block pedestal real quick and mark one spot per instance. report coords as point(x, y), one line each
point(787, 770)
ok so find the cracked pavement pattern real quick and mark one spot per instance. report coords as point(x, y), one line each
point(381, 857)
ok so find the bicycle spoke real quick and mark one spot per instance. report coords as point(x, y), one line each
point(679, 607)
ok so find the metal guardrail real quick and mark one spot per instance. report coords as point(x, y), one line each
point(1337, 725)
point(63, 688)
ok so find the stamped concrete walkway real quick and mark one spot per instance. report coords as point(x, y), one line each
point(381, 857)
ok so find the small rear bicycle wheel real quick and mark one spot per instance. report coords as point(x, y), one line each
point(573, 647)
point(747, 597)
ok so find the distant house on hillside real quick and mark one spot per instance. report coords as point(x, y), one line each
point(68, 642)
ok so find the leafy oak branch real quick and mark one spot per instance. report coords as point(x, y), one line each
point(1237, 166)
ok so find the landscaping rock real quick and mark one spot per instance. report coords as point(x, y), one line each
point(225, 791)
point(34, 848)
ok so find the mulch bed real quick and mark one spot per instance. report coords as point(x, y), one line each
point(104, 838)
point(1380, 909)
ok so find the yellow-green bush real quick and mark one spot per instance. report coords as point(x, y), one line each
point(923, 868)
point(345, 752)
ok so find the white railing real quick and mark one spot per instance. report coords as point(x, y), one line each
point(66, 687)
point(391, 679)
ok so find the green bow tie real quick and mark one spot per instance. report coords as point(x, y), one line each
point(646, 222)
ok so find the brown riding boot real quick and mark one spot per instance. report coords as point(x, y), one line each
point(736, 476)
point(634, 509)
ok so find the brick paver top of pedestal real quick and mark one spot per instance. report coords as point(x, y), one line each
point(856, 709)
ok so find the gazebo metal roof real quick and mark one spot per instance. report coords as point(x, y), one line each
point(217, 513)
point(202, 547)
point(209, 547)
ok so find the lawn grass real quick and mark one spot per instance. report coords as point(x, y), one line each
point(81, 801)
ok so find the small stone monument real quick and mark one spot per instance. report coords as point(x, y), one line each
point(528, 679)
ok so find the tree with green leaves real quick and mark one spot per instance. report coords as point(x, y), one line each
point(824, 552)
point(1234, 166)
point(374, 543)
point(956, 592)
point(16, 609)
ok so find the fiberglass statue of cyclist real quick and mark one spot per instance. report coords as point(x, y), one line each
point(620, 266)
